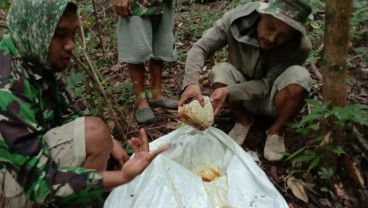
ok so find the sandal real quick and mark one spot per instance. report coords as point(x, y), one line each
point(144, 115)
point(164, 103)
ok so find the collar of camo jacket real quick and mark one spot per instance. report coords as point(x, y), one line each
point(33, 29)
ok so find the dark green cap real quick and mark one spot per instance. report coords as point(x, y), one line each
point(293, 12)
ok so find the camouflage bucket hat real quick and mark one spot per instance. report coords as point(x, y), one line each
point(292, 12)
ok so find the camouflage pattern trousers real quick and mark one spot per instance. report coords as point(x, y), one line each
point(67, 146)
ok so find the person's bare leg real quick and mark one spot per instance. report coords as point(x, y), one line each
point(98, 144)
point(98, 147)
point(136, 73)
point(158, 98)
point(156, 69)
point(288, 102)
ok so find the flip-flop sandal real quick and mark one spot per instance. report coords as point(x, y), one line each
point(144, 115)
point(164, 103)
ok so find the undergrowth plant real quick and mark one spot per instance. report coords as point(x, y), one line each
point(308, 159)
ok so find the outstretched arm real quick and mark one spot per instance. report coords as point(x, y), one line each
point(118, 153)
point(135, 165)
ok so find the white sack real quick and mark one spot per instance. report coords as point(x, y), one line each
point(171, 180)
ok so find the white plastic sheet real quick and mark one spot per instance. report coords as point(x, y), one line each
point(172, 179)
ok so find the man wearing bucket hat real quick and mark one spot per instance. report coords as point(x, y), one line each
point(267, 46)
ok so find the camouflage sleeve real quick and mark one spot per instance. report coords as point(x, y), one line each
point(68, 113)
point(24, 152)
point(147, 7)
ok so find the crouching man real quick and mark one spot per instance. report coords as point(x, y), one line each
point(267, 46)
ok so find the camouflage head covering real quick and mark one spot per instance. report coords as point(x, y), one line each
point(32, 24)
point(292, 12)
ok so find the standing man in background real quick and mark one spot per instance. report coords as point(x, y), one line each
point(146, 34)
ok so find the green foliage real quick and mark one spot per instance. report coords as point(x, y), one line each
point(326, 174)
point(85, 8)
point(328, 191)
point(352, 113)
point(83, 91)
point(234, 4)
point(358, 28)
point(126, 93)
point(74, 83)
point(307, 159)
point(198, 26)
point(359, 19)
point(361, 54)
point(4, 4)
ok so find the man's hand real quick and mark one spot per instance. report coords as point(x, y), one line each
point(218, 98)
point(118, 153)
point(142, 157)
point(192, 90)
point(123, 8)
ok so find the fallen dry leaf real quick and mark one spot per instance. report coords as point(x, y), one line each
point(326, 140)
point(115, 68)
point(179, 43)
point(354, 172)
point(297, 187)
point(340, 192)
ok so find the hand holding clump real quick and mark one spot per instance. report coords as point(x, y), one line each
point(196, 115)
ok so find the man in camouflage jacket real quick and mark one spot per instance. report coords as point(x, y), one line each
point(48, 154)
point(267, 47)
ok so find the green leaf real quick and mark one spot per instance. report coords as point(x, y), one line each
point(295, 153)
point(310, 152)
point(294, 171)
point(74, 79)
point(324, 189)
point(314, 127)
point(336, 149)
point(325, 173)
point(4, 4)
point(303, 159)
point(314, 163)
point(319, 138)
point(309, 118)
point(312, 102)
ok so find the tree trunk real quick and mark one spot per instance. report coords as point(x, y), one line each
point(336, 42)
